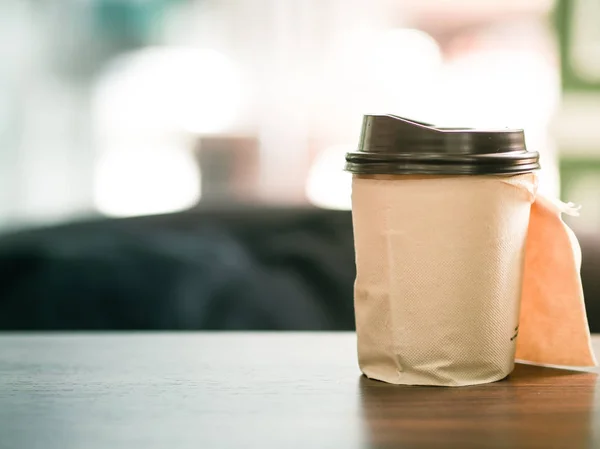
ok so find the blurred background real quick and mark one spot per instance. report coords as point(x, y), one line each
point(140, 108)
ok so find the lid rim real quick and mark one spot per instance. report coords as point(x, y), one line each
point(480, 158)
point(449, 170)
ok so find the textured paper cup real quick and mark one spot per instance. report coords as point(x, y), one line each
point(439, 273)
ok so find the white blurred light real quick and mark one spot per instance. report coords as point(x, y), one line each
point(157, 89)
point(405, 65)
point(328, 185)
point(403, 55)
point(498, 88)
point(143, 105)
point(390, 71)
point(146, 181)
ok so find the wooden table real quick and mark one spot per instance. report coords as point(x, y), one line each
point(271, 390)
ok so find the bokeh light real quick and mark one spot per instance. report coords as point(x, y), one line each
point(145, 181)
point(166, 88)
point(328, 185)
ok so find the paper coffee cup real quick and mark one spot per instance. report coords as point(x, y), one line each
point(440, 226)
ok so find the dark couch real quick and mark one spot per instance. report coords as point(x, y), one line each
point(221, 269)
point(244, 268)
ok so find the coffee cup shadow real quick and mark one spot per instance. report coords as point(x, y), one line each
point(535, 406)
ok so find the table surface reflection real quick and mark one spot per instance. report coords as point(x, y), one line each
point(269, 390)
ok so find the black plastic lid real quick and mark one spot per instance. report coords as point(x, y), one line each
point(395, 145)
